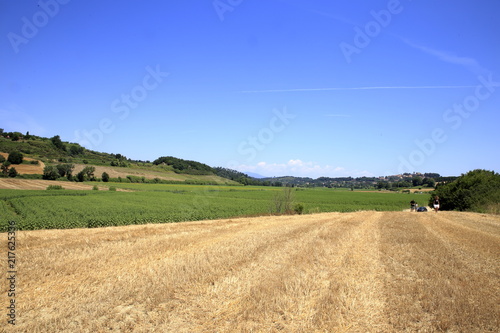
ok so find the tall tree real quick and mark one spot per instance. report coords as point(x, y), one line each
point(50, 172)
point(65, 170)
point(56, 140)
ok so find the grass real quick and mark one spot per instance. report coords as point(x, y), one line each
point(355, 272)
point(158, 203)
point(493, 208)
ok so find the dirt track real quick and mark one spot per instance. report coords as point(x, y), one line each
point(352, 272)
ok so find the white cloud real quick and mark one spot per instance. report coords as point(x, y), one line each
point(300, 168)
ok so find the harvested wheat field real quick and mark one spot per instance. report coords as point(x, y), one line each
point(334, 272)
point(27, 168)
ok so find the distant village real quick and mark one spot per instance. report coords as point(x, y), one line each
point(396, 182)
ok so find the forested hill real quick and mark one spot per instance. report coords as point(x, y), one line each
point(185, 166)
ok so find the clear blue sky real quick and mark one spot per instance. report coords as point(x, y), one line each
point(275, 87)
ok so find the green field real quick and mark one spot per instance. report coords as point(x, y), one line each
point(159, 203)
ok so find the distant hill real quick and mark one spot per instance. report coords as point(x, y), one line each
point(386, 182)
point(54, 151)
point(255, 175)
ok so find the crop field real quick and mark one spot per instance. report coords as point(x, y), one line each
point(155, 203)
point(367, 271)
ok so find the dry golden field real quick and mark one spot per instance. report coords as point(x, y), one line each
point(27, 168)
point(39, 184)
point(333, 272)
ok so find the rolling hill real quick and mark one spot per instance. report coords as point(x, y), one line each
point(53, 151)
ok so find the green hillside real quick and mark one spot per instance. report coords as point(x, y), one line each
point(53, 152)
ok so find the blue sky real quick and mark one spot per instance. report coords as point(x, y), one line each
point(275, 87)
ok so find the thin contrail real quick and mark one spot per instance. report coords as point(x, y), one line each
point(468, 63)
point(355, 88)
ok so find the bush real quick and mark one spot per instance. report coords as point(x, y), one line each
point(30, 176)
point(105, 177)
point(493, 208)
point(15, 157)
point(475, 191)
point(80, 176)
point(112, 188)
point(298, 208)
point(56, 141)
point(136, 179)
point(76, 150)
point(5, 168)
point(55, 187)
point(119, 163)
point(95, 188)
point(13, 172)
point(86, 174)
point(282, 202)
